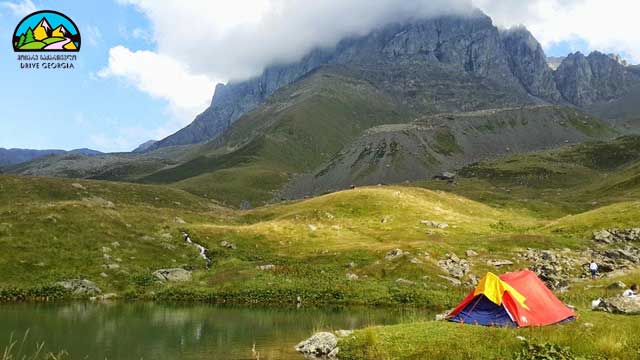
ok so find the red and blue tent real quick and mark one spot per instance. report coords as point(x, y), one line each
point(517, 299)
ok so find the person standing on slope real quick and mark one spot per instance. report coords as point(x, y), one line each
point(631, 292)
point(593, 268)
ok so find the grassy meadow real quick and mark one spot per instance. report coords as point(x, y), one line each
point(331, 249)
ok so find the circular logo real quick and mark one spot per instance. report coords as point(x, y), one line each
point(46, 30)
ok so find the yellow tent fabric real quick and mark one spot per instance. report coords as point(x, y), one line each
point(493, 289)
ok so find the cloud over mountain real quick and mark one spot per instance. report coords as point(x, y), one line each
point(223, 40)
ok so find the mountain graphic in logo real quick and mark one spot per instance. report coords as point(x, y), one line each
point(46, 31)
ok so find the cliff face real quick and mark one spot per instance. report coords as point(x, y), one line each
point(528, 63)
point(464, 46)
point(585, 80)
point(444, 64)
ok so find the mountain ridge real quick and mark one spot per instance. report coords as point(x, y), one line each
point(508, 56)
point(14, 156)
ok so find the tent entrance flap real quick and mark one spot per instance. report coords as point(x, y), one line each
point(482, 311)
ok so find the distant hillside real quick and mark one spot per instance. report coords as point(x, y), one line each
point(17, 156)
point(395, 153)
point(144, 146)
point(274, 136)
point(124, 166)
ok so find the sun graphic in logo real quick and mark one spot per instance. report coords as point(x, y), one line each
point(46, 30)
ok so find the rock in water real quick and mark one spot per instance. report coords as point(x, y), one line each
point(172, 275)
point(619, 305)
point(80, 287)
point(319, 345)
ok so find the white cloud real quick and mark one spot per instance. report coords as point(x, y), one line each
point(162, 77)
point(201, 41)
point(19, 9)
point(237, 39)
point(608, 26)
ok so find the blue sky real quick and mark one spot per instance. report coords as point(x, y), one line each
point(74, 109)
point(147, 67)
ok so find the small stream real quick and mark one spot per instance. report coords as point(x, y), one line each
point(204, 252)
point(133, 331)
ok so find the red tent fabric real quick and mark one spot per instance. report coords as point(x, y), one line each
point(541, 306)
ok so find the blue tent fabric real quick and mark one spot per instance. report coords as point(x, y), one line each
point(482, 311)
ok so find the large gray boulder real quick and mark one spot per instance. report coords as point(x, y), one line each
point(619, 305)
point(320, 345)
point(80, 287)
point(172, 275)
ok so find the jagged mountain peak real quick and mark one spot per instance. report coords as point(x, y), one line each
point(468, 45)
point(510, 65)
point(597, 77)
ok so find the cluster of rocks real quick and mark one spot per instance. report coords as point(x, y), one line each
point(552, 268)
point(112, 263)
point(625, 256)
point(454, 266)
point(80, 287)
point(556, 268)
point(612, 236)
point(322, 345)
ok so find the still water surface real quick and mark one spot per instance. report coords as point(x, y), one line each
point(126, 331)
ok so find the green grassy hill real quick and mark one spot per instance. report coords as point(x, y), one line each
point(55, 228)
point(433, 144)
point(332, 249)
point(301, 126)
point(558, 182)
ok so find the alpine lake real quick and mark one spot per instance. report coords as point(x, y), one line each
point(133, 330)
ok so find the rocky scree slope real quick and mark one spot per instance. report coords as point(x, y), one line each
point(446, 142)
